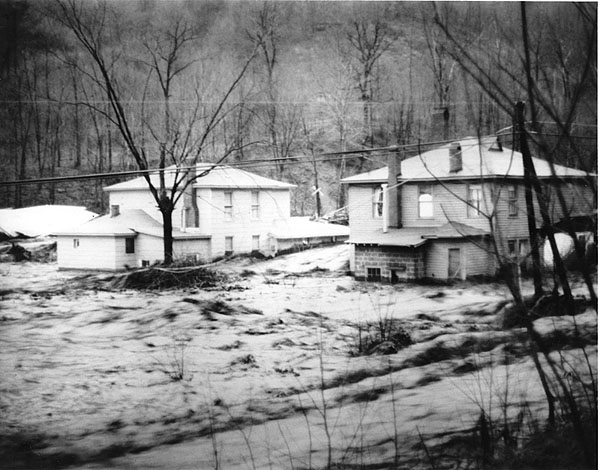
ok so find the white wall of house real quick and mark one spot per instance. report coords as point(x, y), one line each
point(105, 253)
point(242, 225)
point(198, 248)
point(130, 200)
point(362, 217)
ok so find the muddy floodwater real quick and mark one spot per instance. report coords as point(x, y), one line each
point(275, 368)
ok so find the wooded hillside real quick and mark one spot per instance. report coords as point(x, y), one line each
point(274, 85)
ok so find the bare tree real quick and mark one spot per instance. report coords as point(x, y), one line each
point(180, 143)
point(369, 40)
point(498, 77)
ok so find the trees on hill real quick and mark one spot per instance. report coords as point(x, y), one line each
point(341, 76)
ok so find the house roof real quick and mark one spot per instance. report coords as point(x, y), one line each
point(479, 159)
point(37, 221)
point(302, 227)
point(413, 237)
point(127, 223)
point(219, 176)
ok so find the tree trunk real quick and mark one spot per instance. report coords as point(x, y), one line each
point(166, 209)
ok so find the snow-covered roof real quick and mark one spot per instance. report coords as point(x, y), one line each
point(303, 227)
point(480, 158)
point(415, 236)
point(127, 223)
point(219, 176)
point(38, 221)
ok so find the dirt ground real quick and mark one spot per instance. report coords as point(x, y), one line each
point(262, 371)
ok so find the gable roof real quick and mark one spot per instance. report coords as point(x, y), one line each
point(220, 176)
point(479, 160)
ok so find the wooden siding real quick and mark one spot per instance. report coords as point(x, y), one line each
point(476, 260)
point(274, 205)
point(125, 260)
point(92, 253)
point(448, 205)
point(129, 200)
point(360, 210)
point(199, 248)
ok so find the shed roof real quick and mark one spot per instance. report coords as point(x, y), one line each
point(413, 237)
point(219, 176)
point(480, 158)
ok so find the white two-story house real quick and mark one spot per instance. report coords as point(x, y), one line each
point(226, 211)
point(447, 213)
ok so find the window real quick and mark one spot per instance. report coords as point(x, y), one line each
point(228, 204)
point(374, 274)
point(377, 199)
point(425, 201)
point(475, 200)
point(512, 201)
point(228, 245)
point(255, 242)
point(523, 248)
point(255, 205)
point(130, 245)
point(512, 248)
point(75, 242)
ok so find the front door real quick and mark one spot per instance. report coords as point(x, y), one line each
point(454, 263)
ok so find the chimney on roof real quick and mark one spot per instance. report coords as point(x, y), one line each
point(455, 157)
point(114, 210)
point(393, 192)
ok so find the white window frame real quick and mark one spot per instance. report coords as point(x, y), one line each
point(75, 242)
point(228, 204)
point(255, 204)
point(377, 202)
point(425, 190)
point(513, 198)
point(228, 244)
point(474, 206)
point(255, 242)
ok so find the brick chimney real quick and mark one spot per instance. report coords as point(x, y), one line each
point(455, 157)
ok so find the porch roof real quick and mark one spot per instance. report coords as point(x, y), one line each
point(413, 237)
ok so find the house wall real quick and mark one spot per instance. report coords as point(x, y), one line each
point(274, 205)
point(406, 263)
point(360, 210)
point(105, 253)
point(199, 248)
point(129, 200)
point(448, 205)
point(475, 259)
